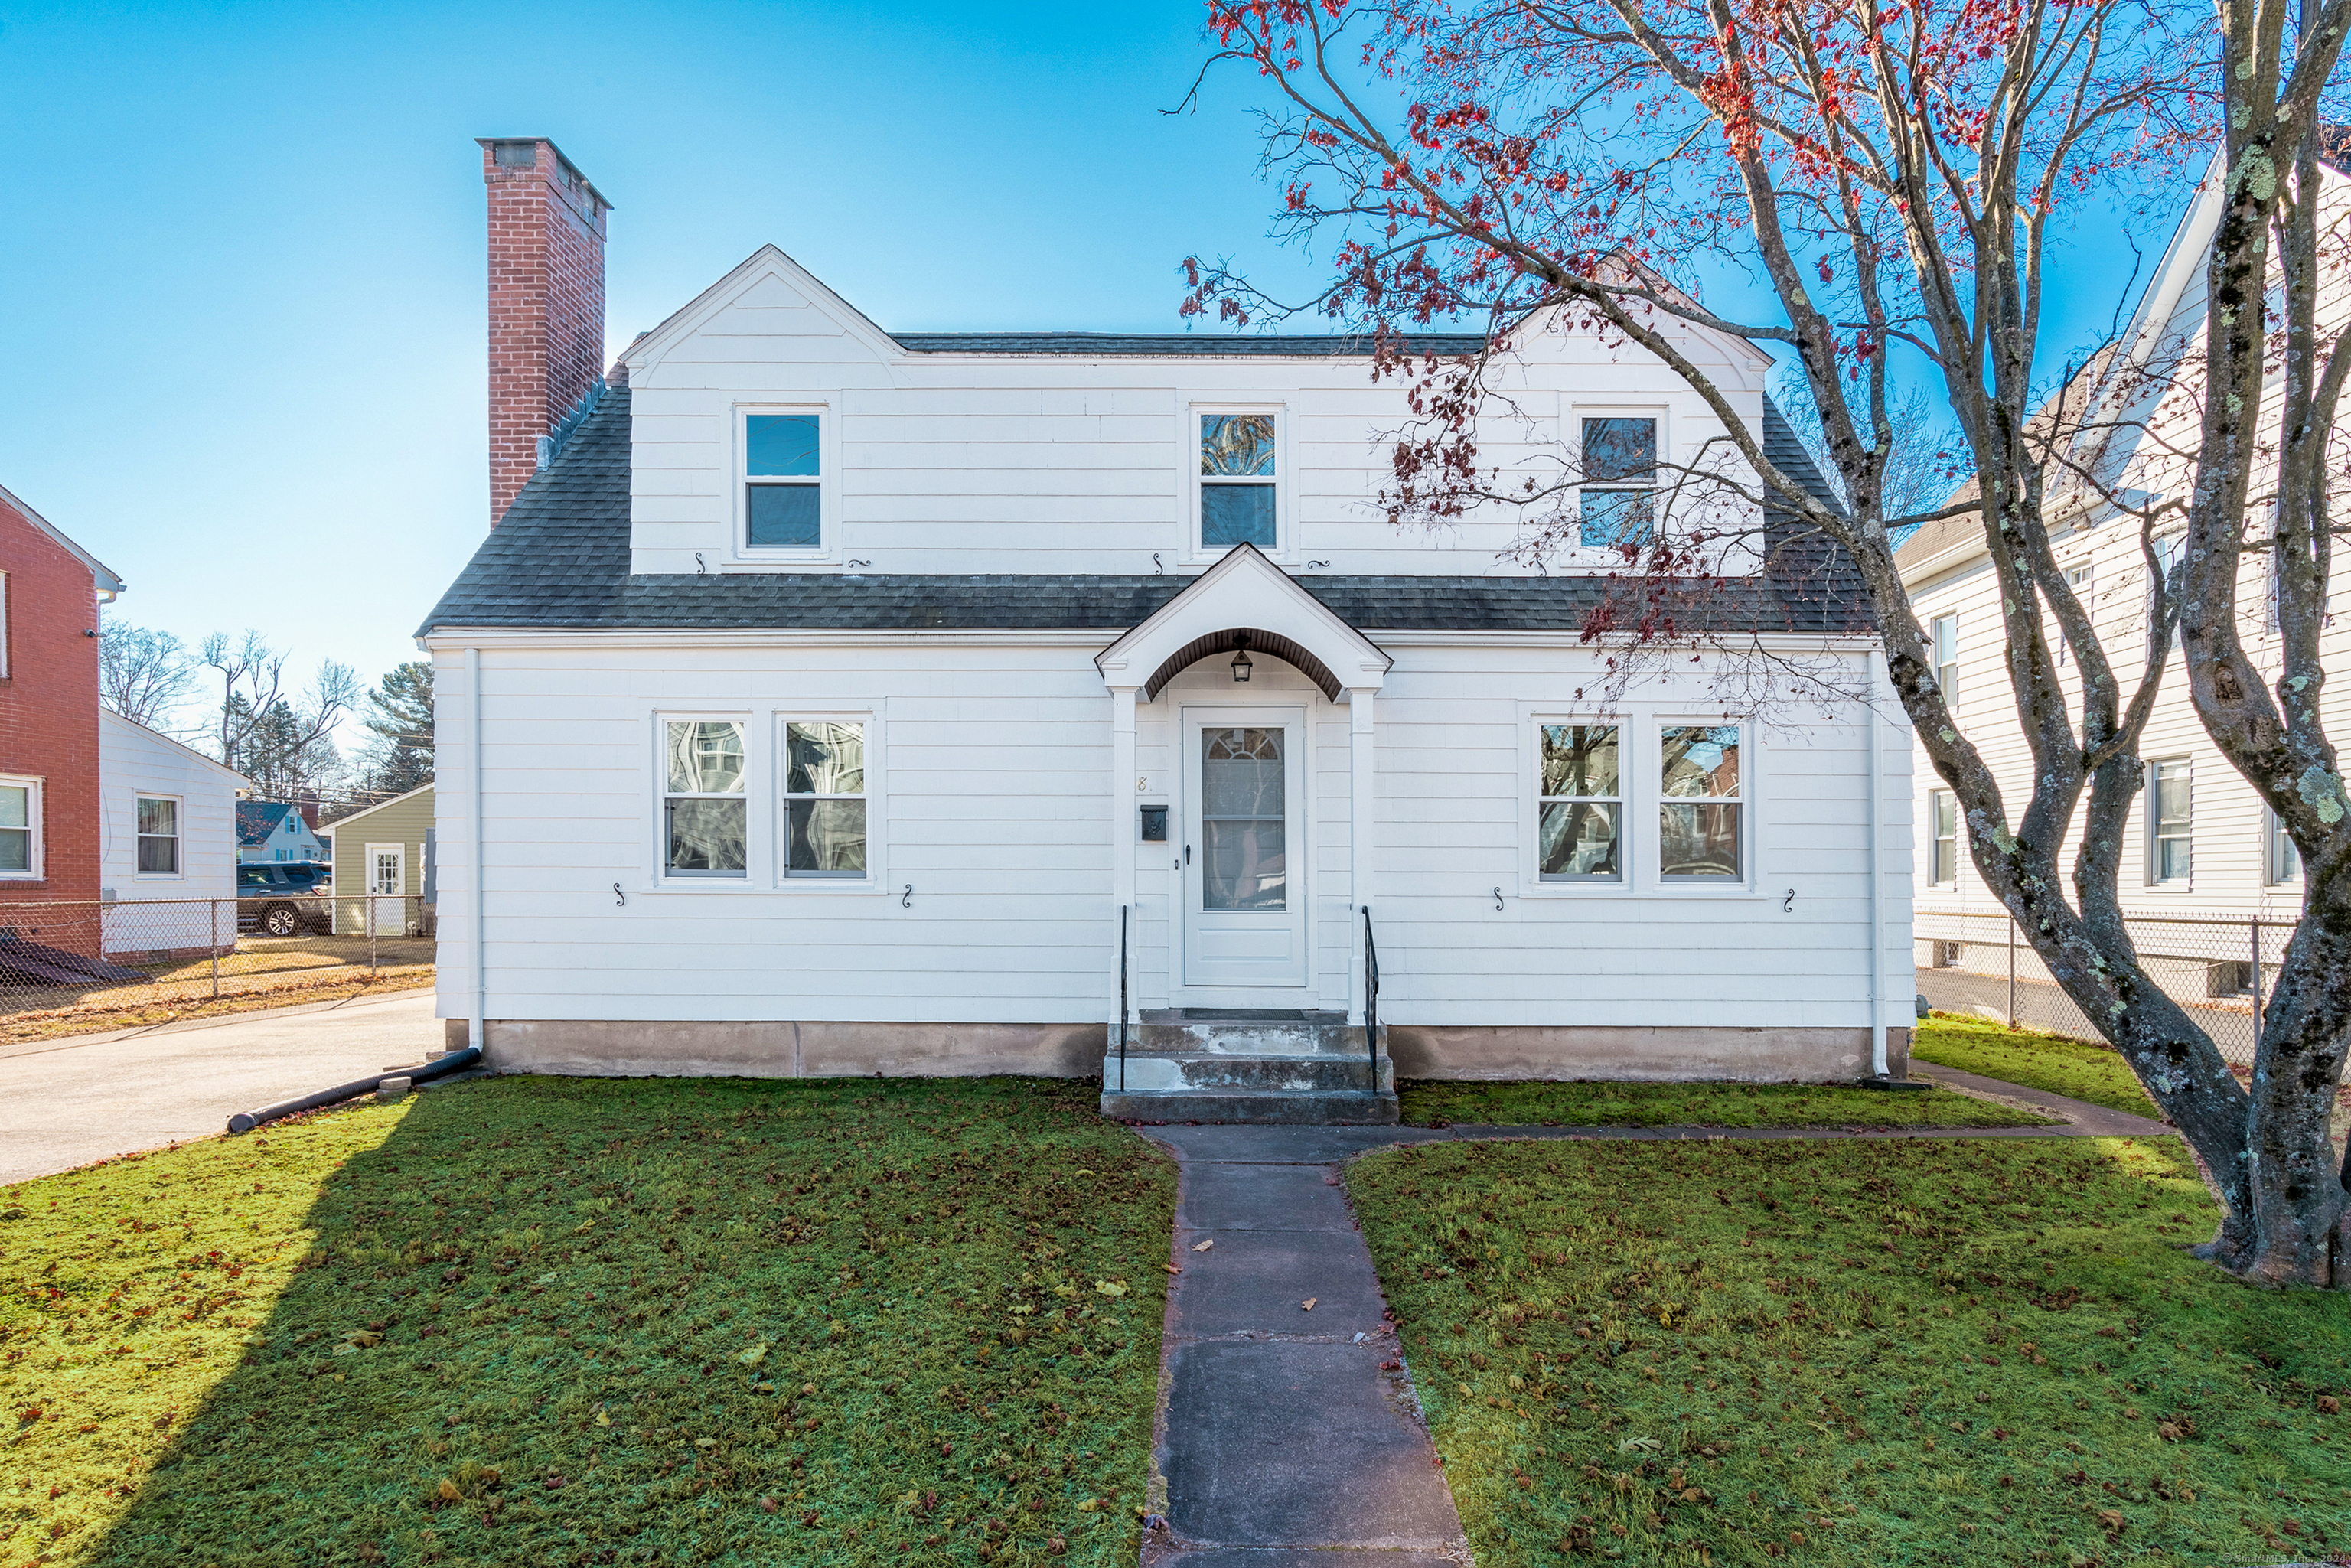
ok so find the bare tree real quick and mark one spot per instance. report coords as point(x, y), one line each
point(1900, 175)
point(280, 738)
point(143, 674)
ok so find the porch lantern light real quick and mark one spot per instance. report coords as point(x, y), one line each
point(1240, 658)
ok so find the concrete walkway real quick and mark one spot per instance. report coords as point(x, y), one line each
point(1290, 1437)
point(64, 1103)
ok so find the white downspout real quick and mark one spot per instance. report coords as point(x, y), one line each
point(1877, 872)
point(477, 1024)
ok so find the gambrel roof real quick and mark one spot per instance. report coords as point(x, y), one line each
point(559, 559)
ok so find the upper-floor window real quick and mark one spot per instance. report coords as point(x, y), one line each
point(1944, 638)
point(1582, 803)
point(824, 798)
point(1698, 820)
point(2170, 823)
point(1239, 481)
point(1620, 471)
point(20, 827)
point(159, 836)
point(1943, 817)
point(2078, 578)
point(704, 824)
point(2169, 550)
point(783, 482)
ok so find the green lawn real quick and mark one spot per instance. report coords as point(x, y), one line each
point(2072, 1068)
point(1532, 1104)
point(1856, 1353)
point(570, 1321)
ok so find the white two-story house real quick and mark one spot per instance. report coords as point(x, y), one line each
point(831, 701)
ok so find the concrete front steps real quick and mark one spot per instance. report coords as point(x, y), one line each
point(1261, 1066)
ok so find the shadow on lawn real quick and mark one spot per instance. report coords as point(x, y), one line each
point(564, 1320)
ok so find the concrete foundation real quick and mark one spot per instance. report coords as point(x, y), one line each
point(767, 1050)
point(1660, 1055)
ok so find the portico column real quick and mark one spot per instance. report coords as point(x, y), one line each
point(1122, 830)
point(1359, 840)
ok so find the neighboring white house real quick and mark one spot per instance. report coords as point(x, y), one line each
point(167, 838)
point(830, 697)
point(275, 832)
point(2200, 846)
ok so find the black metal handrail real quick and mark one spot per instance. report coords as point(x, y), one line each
point(1121, 998)
point(1371, 999)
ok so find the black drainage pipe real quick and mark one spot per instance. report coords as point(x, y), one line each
point(246, 1121)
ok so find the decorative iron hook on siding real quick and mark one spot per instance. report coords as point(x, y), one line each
point(1312, 564)
point(701, 567)
point(1157, 570)
point(1498, 898)
point(906, 899)
point(1788, 904)
point(858, 563)
point(620, 899)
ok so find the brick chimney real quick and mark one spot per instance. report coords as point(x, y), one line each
point(547, 303)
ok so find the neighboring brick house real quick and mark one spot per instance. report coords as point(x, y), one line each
point(50, 589)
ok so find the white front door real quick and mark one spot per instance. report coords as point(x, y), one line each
point(1244, 844)
point(387, 880)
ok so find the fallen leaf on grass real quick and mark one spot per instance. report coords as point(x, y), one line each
point(1204, 1246)
point(602, 1419)
point(705, 1442)
point(1110, 1287)
point(753, 1356)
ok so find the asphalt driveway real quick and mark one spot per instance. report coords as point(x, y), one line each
point(64, 1103)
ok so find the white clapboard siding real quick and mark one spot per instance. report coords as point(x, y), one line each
point(966, 462)
point(990, 795)
point(133, 761)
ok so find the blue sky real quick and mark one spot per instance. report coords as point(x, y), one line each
point(245, 269)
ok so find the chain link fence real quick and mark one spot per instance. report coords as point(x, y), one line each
point(2218, 969)
point(123, 954)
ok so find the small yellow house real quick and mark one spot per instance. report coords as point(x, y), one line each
point(384, 856)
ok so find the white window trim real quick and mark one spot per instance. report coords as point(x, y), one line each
point(1285, 467)
point(1641, 770)
point(1934, 836)
point(828, 484)
point(2272, 832)
point(763, 813)
point(36, 857)
point(657, 812)
point(7, 620)
point(179, 819)
point(876, 810)
point(2147, 831)
point(1571, 438)
point(1948, 689)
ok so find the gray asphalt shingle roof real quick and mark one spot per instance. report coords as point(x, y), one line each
point(560, 560)
point(1166, 345)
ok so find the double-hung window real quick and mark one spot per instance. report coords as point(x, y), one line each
point(159, 836)
point(1943, 636)
point(705, 816)
point(2170, 823)
point(824, 798)
point(1698, 818)
point(1943, 817)
point(783, 482)
point(2077, 577)
point(20, 828)
point(1616, 508)
point(1239, 481)
point(2281, 861)
point(1580, 830)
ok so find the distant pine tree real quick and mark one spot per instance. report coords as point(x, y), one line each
point(400, 757)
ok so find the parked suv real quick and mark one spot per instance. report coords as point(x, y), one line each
point(280, 899)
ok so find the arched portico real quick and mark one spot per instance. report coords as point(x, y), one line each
point(1245, 602)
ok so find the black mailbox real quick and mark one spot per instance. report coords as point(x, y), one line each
point(1155, 824)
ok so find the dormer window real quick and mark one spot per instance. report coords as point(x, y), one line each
point(783, 482)
point(1239, 481)
point(1620, 473)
